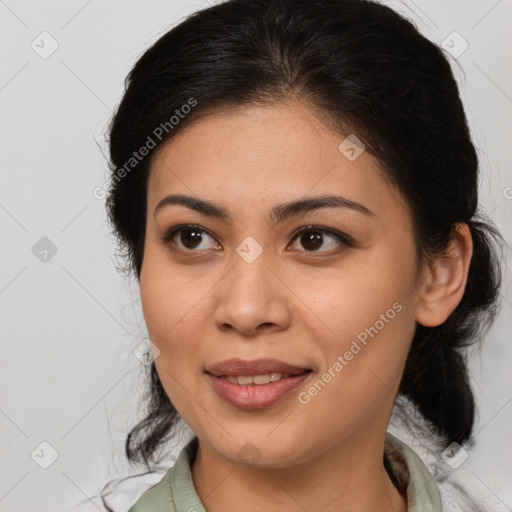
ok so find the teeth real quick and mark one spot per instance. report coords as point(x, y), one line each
point(243, 381)
point(246, 380)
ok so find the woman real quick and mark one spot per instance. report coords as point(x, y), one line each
point(295, 188)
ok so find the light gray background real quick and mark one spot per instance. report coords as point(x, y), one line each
point(69, 325)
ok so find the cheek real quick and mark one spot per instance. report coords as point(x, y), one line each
point(157, 303)
point(163, 311)
point(174, 315)
point(367, 318)
point(170, 329)
point(348, 300)
point(167, 297)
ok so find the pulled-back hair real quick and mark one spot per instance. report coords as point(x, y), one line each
point(366, 70)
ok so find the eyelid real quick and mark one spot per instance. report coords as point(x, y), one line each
point(169, 234)
point(342, 237)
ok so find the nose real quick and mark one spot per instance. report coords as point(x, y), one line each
point(252, 299)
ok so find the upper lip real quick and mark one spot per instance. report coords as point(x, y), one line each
point(254, 367)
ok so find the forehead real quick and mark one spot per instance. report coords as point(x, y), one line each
point(266, 154)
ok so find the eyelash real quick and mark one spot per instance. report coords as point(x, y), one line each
point(341, 237)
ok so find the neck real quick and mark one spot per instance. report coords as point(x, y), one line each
point(349, 477)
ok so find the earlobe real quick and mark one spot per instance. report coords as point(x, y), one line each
point(446, 279)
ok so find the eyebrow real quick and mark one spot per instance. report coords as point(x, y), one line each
point(278, 214)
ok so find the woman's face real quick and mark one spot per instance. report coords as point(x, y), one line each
point(243, 285)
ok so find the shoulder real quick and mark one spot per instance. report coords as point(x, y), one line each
point(175, 490)
point(158, 498)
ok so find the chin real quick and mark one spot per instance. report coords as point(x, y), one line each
point(262, 452)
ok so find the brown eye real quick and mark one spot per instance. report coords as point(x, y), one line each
point(313, 238)
point(189, 238)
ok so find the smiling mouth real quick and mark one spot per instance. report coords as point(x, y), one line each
point(256, 392)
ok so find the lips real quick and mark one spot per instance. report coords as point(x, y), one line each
point(239, 367)
point(257, 384)
point(254, 396)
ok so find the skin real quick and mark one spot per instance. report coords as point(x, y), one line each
point(206, 304)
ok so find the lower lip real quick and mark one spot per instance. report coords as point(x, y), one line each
point(254, 396)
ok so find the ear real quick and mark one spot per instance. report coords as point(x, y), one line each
point(445, 281)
